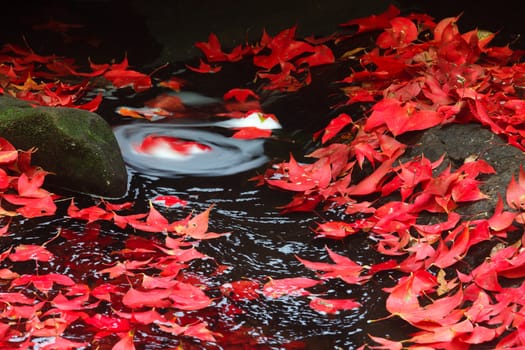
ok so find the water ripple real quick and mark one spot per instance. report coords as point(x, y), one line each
point(227, 155)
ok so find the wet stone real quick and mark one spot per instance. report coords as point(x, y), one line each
point(77, 146)
point(459, 142)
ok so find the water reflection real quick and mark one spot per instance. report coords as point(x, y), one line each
point(226, 155)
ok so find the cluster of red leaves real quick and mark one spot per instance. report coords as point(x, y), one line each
point(283, 61)
point(39, 79)
point(21, 191)
point(415, 85)
point(419, 75)
point(145, 287)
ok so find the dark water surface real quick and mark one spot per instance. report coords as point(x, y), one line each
point(263, 243)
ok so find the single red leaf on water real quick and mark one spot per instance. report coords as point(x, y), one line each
point(90, 214)
point(301, 178)
point(276, 288)
point(335, 229)
point(170, 201)
point(125, 268)
point(212, 49)
point(200, 331)
point(373, 22)
point(343, 268)
point(173, 83)
point(240, 95)
point(126, 77)
point(25, 252)
point(241, 290)
point(155, 222)
point(335, 125)
point(249, 133)
point(197, 227)
point(204, 68)
point(332, 306)
point(322, 54)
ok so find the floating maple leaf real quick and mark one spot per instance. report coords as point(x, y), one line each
point(276, 288)
point(374, 22)
point(25, 252)
point(332, 306)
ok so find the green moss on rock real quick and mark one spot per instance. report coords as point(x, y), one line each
point(76, 145)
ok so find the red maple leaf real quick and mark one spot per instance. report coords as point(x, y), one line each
point(343, 268)
point(249, 133)
point(373, 22)
point(213, 51)
point(332, 306)
point(283, 48)
point(25, 252)
point(205, 68)
point(240, 95)
point(241, 290)
point(401, 33)
point(334, 126)
point(276, 288)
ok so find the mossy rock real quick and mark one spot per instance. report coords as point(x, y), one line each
point(77, 146)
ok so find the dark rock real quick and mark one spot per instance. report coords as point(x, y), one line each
point(461, 141)
point(77, 146)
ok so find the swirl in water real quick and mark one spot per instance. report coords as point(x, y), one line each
point(205, 154)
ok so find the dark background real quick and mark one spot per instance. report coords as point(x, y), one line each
point(156, 31)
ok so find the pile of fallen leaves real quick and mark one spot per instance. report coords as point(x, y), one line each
point(419, 74)
point(423, 74)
